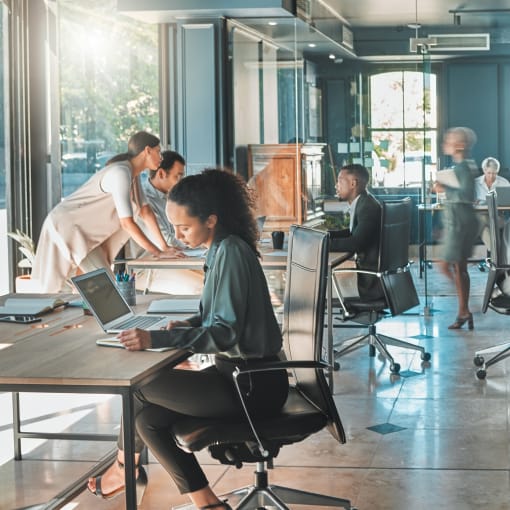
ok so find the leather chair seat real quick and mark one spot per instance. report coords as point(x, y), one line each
point(296, 421)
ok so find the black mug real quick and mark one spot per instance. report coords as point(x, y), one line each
point(278, 237)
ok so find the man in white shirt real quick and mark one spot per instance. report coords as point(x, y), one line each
point(156, 186)
point(483, 184)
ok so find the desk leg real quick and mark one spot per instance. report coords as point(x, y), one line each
point(128, 422)
point(329, 306)
point(16, 425)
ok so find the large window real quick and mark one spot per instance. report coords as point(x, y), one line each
point(403, 116)
point(108, 85)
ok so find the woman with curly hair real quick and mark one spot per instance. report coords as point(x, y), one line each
point(236, 323)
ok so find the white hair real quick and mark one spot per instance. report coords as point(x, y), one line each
point(490, 161)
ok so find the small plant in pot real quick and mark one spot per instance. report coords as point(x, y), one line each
point(27, 248)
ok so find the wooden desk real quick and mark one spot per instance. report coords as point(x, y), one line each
point(66, 359)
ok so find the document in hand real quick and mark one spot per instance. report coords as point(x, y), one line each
point(448, 178)
point(30, 305)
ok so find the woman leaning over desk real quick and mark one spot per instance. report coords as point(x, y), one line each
point(89, 227)
point(236, 323)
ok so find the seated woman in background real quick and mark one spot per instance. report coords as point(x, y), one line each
point(483, 184)
point(236, 323)
point(89, 227)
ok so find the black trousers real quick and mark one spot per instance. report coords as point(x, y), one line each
point(208, 393)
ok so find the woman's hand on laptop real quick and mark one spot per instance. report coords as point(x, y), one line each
point(135, 339)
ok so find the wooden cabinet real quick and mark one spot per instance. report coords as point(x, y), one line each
point(287, 180)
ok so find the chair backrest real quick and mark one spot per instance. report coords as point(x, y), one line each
point(395, 234)
point(494, 233)
point(397, 282)
point(303, 317)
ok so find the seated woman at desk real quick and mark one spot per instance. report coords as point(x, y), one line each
point(236, 323)
point(483, 184)
point(89, 227)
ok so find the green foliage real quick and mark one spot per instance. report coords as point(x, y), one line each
point(108, 76)
point(336, 221)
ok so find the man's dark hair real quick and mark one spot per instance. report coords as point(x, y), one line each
point(168, 159)
point(360, 173)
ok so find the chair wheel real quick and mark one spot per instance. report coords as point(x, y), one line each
point(481, 374)
point(478, 361)
point(425, 356)
point(395, 368)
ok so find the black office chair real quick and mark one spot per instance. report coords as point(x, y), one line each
point(500, 303)
point(393, 273)
point(309, 407)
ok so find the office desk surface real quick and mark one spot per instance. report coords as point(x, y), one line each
point(70, 356)
point(65, 358)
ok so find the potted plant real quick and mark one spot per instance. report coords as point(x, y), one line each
point(27, 248)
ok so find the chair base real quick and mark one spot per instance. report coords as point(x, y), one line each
point(502, 352)
point(261, 495)
point(377, 341)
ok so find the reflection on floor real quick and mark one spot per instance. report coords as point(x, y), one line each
point(436, 437)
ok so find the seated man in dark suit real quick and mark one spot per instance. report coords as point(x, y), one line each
point(362, 237)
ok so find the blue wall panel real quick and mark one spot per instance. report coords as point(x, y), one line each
point(504, 112)
point(472, 101)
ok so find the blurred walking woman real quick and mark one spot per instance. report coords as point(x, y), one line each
point(88, 228)
point(461, 224)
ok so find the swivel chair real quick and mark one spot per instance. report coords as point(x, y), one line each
point(309, 407)
point(499, 303)
point(394, 276)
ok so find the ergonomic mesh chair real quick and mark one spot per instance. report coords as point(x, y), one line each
point(393, 273)
point(309, 407)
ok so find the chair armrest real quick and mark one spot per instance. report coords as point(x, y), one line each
point(280, 365)
point(267, 366)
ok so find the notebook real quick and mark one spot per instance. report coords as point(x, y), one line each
point(111, 310)
point(503, 195)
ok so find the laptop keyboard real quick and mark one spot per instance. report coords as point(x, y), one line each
point(142, 322)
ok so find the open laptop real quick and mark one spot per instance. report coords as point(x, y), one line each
point(503, 195)
point(111, 310)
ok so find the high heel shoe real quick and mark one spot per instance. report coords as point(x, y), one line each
point(221, 504)
point(460, 321)
point(141, 485)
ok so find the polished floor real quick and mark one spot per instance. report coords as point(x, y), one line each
point(435, 437)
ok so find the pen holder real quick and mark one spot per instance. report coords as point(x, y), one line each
point(128, 291)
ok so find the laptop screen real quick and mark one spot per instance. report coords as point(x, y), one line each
point(103, 298)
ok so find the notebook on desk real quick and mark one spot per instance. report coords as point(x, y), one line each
point(111, 310)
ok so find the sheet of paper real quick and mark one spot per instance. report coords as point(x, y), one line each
point(195, 252)
point(114, 342)
point(448, 178)
point(173, 305)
